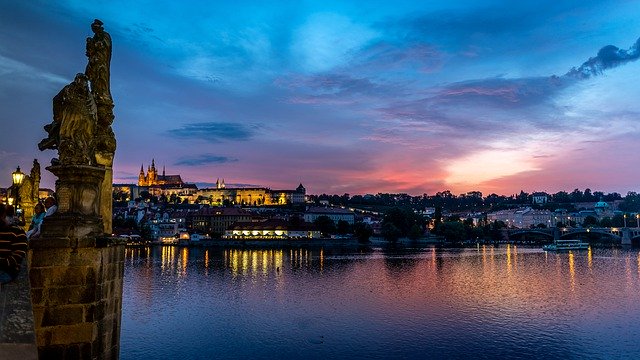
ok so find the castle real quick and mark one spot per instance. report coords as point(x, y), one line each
point(170, 185)
point(153, 179)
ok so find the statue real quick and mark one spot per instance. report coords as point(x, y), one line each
point(35, 178)
point(98, 68)
point(29, 192)
point(98, 71)
point(81, 133)
point(74, 121)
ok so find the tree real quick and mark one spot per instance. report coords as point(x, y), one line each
point(362, 231)
point(390, 232)
point(617, 221)
point(145, 195)
point(437, 216)
point(343, 227)
point(403, 220)
point(415, 232)
point(606, 222)
point(325, 225)
point(452, 231)
point(590, 221)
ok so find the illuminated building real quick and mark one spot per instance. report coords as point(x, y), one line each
point(252, 196)
point(151, 178)
point(272, 229)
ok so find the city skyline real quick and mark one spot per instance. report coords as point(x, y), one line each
point(344, 97)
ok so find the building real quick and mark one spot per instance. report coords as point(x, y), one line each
point(539, 198)
point(523, 217)
point(335, 214)
point(272, 229)
point(151, 178)
point(215, 221)
point(251, 196)
point(164, 231)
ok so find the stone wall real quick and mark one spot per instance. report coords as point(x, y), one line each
point(76, 291)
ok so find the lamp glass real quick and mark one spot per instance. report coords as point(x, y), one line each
point(17, 176)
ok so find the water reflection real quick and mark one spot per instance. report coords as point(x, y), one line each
point(380, 302)
point(572, 270)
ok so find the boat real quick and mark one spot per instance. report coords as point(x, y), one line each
point(560, 245)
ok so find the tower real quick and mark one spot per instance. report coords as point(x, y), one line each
point(141, 178)
point(153, 173)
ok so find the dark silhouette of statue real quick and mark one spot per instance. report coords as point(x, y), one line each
point(74, 122)
point(81, 132)
point(98, 71)
point(98, 68)
point(77, 114)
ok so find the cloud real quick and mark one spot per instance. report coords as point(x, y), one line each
point(19, 70)
point(608, 57)
point(215, 132)
point(328, 40)
point(204, 159)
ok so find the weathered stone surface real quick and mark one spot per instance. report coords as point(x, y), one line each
point(57, 257)
point(73, 334)
point(81, 293)
point(64, 315)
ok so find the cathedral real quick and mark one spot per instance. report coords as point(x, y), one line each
point(153, 179)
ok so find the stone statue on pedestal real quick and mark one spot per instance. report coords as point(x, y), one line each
point(75, 266)
point(82, 117)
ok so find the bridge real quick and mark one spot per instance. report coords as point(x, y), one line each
point(625, 235)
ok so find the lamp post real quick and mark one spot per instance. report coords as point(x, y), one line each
point(625, 220)
point(17, 177)
point(638, 220)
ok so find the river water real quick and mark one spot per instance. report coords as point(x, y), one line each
point(508, 302)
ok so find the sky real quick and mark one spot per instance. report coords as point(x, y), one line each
point(343, 96)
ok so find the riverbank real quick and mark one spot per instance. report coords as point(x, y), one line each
point(353, 243)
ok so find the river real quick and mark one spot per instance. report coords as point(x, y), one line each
point(379, 302)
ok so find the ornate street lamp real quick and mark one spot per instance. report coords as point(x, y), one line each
point(17, 177)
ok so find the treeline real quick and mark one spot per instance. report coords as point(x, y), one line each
point(475, 200)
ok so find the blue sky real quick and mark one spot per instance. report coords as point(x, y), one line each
point(357, 97)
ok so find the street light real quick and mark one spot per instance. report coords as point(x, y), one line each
point(17, 177)
point(638, 220)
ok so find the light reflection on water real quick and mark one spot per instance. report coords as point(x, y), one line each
point(483, 302)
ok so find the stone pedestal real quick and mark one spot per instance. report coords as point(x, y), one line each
point(78, 188)
point(76, 292)
point(106, 191)
point(76, 273)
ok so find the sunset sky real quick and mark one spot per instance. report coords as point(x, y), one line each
point(343, 96)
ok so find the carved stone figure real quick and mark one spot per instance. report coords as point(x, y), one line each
point(98, 71)
point(74, 121)
point(29, 192)
point(35, 178)
point(98, 68)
